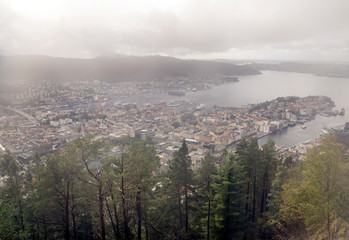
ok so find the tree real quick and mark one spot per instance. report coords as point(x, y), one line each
point(110, 198)
point(205, 191)
point(259, 169)
point(269, 164)
point(8, 224)
point(249, 157)
point(92, 154)
point(58, 188)
point(55, 186)
point(273, 226)
point(141, 161)
point(162, 215)
point(320, 196)
point(228, 203)
point(11, 192)
point(180, 173)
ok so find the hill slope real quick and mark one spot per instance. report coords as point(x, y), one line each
point(120, 68)
point(330, 70)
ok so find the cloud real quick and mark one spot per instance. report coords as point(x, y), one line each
point(7, 26)
point(175, 27)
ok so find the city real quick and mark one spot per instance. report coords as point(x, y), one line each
point(42, 120)
point(174, 120)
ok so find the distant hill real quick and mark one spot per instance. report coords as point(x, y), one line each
point(330, 70)
point(118, 68)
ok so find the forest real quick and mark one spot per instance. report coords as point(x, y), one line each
point(84, 192)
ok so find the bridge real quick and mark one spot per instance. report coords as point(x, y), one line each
point(19, 112)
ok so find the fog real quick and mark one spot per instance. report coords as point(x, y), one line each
point(249, 29)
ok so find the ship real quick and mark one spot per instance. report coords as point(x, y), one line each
point(341, 112)
point(324, 131)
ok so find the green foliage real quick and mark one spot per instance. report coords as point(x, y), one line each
point(228, 204)
point(203, 201)
point(142, 161)
point(179, 169)
point(8, 224)
point(11, 194)
point(318, 195)
point(180, 173)
point(250, 194)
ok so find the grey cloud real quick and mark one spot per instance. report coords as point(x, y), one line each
point(220, 28)
point(197, 27)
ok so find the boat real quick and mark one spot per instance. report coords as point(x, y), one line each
point(341, 112)
point(304, 127)
point(324, 131)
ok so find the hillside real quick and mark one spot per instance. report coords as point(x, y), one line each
point(118, 68)
point(330, 70)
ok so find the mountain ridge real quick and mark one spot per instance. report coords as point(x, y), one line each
point(320, 69)
point(120, 68)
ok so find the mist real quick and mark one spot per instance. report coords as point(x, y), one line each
point(272, 30)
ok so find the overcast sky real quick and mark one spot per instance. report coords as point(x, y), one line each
point(234, 29)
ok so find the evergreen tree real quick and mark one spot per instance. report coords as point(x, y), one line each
point(249, 157)
point(8, 223)
point(204, 194)
point(180, 173)
point(141, 161)
point(269, 164)
point(228, 202)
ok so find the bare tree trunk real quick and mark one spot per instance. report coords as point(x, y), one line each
point(145, 222)
point(115, 214)
point(208, 218)
point(328, 203)
point(139, 214)
point(111, 220)
point(38, 226)
point(247, 195)
point(227, 218)
point(74, 225)
point(123, 201)
point(180, 210)
point(19, 203)
point(254, 199)
point(66, 213)
point(73, 215)
point(186, 210)
point(267, 191)
point(45, 229)
point(263, 193)
point(101, 209)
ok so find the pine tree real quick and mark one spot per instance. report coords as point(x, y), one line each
point(180, 173)
point(228, 202)
point(269, 166)
point(141, 161)
point(249, 157)
point(205, 192)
